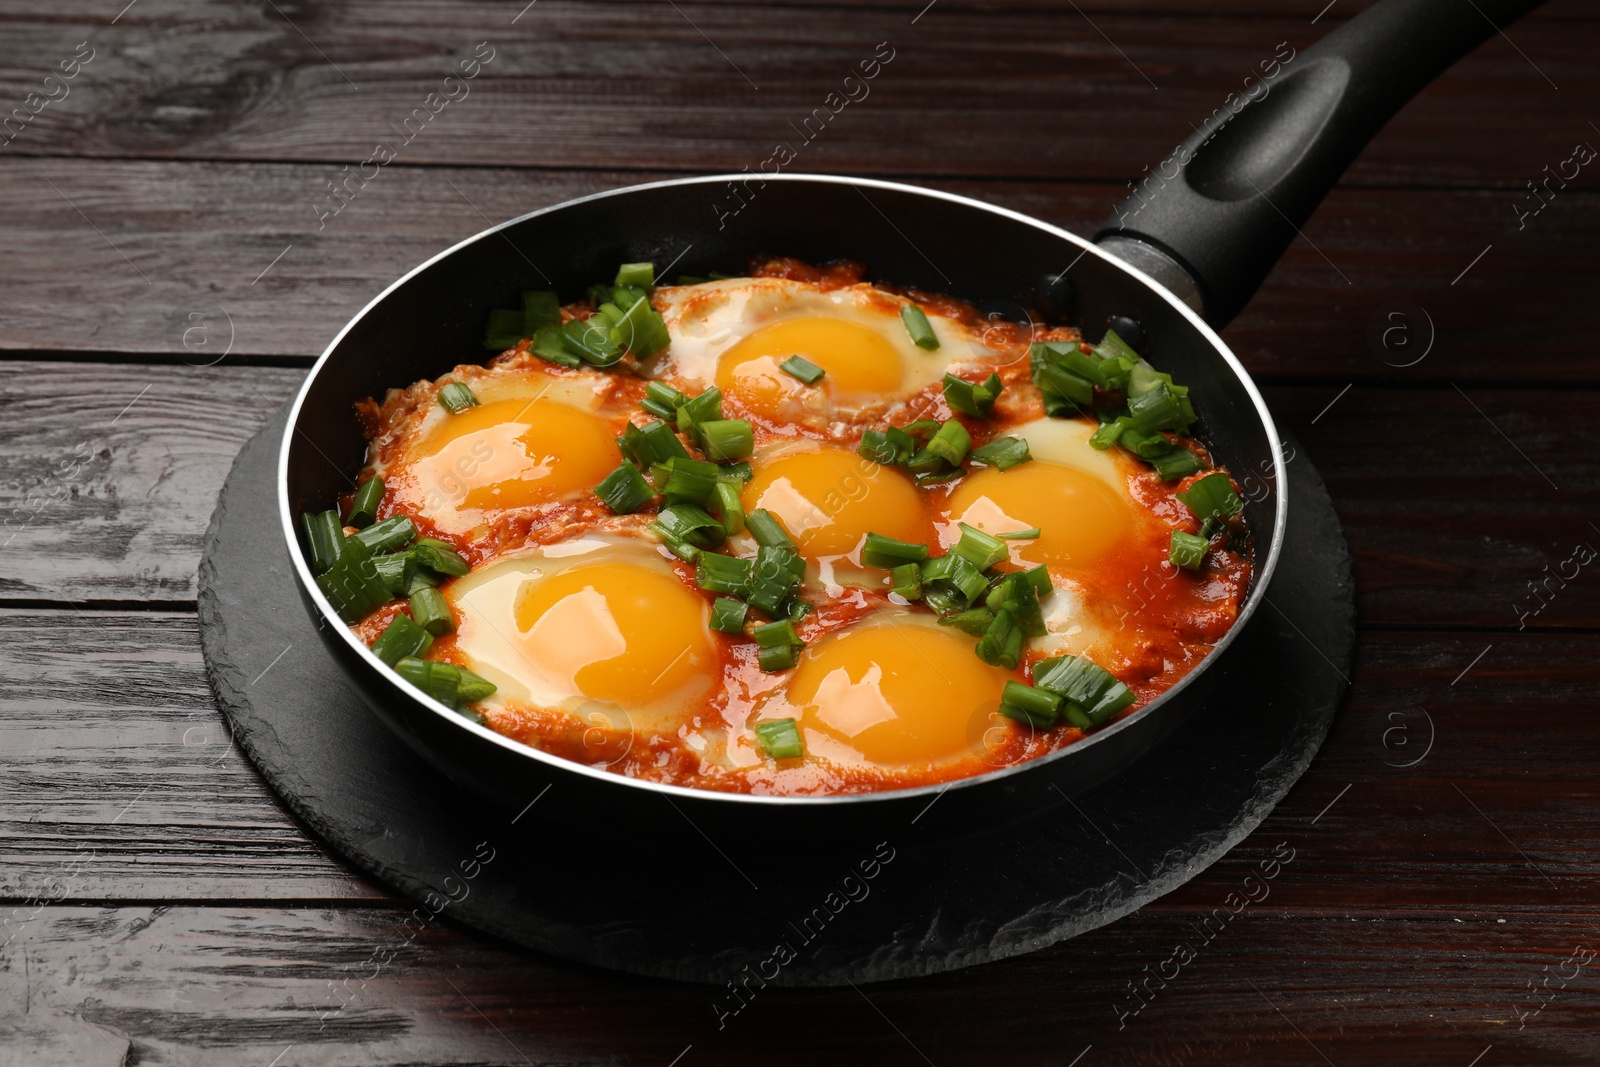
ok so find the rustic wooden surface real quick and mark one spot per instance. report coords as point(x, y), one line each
point(165, 282)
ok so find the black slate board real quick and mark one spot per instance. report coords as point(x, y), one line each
point(683, 907)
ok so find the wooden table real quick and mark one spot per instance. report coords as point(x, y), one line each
point(172, 263)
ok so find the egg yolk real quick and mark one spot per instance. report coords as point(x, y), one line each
point(894, 693)
point(829, 499)
point(511, 454)
point(860, 363)
point(1079, 516)
point(617, 632)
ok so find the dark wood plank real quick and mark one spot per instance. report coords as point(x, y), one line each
point(1446, 535)
point(1042, 93)
point(117, 754)
point(199, 238)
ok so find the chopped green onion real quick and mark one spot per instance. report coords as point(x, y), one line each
point(880, 551)
point(1003, 453)
point(432, 612)
point(364, 505)
point(324, 535)
point(539, 309)
point(727, 614)
point(1001, 643)
point(978, 548)
point(727, 438)
point(691, 279)
point(352, 584)
point(925, 480)
point(780, 739)
point(740, 472)
point(682, 549)
point(767, 530)
point(549, 346)
point(950, 443)
point(640, 329)
point(1157, 409)
point(686, 481)
point(624, 490)
point(440, 556)
point(716, 573)
point(1017, 594)
point(970, 399)
point(779, 645)
point(917, 326)
point(797, 609)
point(456, 398)
point(401, 638)
point(1040, 579)
point(777, 571)
point(388, 535)
point(662, 399)
point(950, 581)
point(1107, 434)
point(396, 571)
point(1021, 535)
point(906, 580)
point(415, 574)
point(1211, 496)
point(691, 525)
point(973, 621)
point(730, 508)
point(890, 447)
point(707, 407)
point(590, 340)
point(802, 368)
point(1113, 345)
point(503, 330)
point(1038, 708)
point(1094, 690)
point(654, 442)
point(641, 274)
point(1179, 463)
point(471, 687)
point(1187, 550)
point(441, 681)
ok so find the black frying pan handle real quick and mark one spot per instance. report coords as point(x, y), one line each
point(1223, 207)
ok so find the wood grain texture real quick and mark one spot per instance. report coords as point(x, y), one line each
point(1027, 92)
point(126, 523)
point(226, 258)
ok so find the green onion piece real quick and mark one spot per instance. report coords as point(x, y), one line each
point(503, 330)
point(394, 532)
point(740, 472)
point(590, 340)
point(730, 508)
point(470, 686)
point(922, 429)
point(686, 481)
point(662, 399)
point(880, 551)
point(1004, 453)
point(442, 681)
point(364, 505)
point(1094, 690)
point(716, 573)
point(1187, 550)
point(890, 447)
point(980, 549)
point(969, 399)
point(432, 612)
point(780, 739)
point(1038, 708)
point(416, 575)
point(1107, 435)
point(624, 490)
point(1016, 593)
point(1113, 345)
point(691, 279)
point(352, 584)
point(456, 398)
point(767, 530)
point(796, 609)
point(727, 438)
point(1179, 463)
point(1076, 717)
point(549, 346)
point(654, 442)
point(1040, 579)
point(727, 614)
point(1021, 535)
point(973, 621)
point(950, 443)
point(641, 274)
point(906, 580)
point(779, 645)
point(539, 309)
point(777, 571)
point(1157, 409)
point(691, 525)
point(950, 582)
point(440, 556)
point(707, 407)
point(1001, 643)
point(1211, 496)
point(324, 535)
point(401, 638)
point(396, 571)
point(802, 368)
point(682, 549)
point(917, 326)
point(640, 329)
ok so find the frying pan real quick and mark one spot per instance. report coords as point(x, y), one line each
point(1181, 257)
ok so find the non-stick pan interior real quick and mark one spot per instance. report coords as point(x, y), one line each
point(433, 319)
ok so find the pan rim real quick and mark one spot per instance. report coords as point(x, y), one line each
point(1261, 578)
